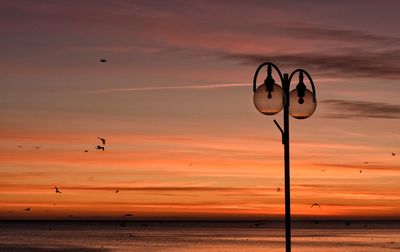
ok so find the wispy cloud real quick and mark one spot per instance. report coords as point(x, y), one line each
point(188, 87)
point(341, 35)
point(362, 109)
point(355, 63)
point(376, 167)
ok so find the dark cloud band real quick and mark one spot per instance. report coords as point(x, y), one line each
point(359, 109)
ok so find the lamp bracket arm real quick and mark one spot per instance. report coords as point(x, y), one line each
point(309, 78)
point(281, 130)
point(258, 70)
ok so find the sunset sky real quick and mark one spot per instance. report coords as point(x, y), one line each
point(175, 103)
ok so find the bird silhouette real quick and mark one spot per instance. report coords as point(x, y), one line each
point(393, 154)
point(56, 190)
point(27, 209)
point(123, 223)
point(86, 150)
point(258, 224)
point(19, 146)
point(315, 204)
point(102, 140)
point(360, 171)
point(116, 191)
point(37, 147)
point(190, 164)
point(103, 60)
point(278, 189)
point(98, 147)
point(365, 162)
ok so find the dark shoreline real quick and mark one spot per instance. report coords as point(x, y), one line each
point(131, 223)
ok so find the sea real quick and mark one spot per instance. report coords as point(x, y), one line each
point(168, 236)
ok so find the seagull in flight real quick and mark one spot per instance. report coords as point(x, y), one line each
point(315, 204)
point(37, 147)
point(278, 189)
point(393, 154)
point(56, 189)
point(258, 224)
point(123, 223)
point(102, 140)
point(98, 147)
point(116, 191)
point(103, 60)
point(27, 209)
point(86, 150)
point(19, 146)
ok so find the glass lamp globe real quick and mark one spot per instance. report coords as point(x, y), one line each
point(269, 103)
point(302, 107)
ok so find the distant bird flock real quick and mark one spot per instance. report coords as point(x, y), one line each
point(101, 147)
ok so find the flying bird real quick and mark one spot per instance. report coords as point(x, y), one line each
point(37, 147)
point(123, 223)
point(102, 140)
point(278, 189)
point(393, 154)
point(19, 146)
point(360, 171)
point(56, 190)
point(365, 162)
point(98, 147)
point(116, 191)
point(190, 164)
point(27, 209)
point(86, 150)
point(315, 204)
point(103, 60)
point(258, 224)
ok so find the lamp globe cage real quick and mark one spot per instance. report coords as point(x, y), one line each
point(302, 102)
point(269, 97)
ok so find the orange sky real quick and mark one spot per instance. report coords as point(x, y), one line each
point(174, 102)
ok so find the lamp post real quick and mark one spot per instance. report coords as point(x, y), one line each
point(300, 103)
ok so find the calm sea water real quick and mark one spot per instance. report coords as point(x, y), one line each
point(198, 236)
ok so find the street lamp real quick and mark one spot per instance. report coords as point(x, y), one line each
point(300, 103)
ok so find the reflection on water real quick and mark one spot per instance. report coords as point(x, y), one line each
point(200, 236)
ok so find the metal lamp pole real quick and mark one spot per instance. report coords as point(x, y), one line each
point(305, 107)
point(285, 140)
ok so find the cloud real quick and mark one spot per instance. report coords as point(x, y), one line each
point(362, 109)
point(333, 52)
point(341, 35)
point(355, 63)
point(138, 89)
point(44, 248)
